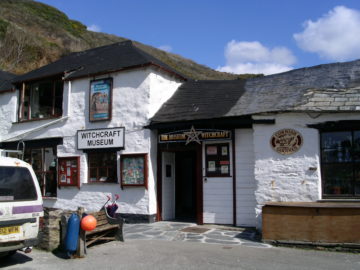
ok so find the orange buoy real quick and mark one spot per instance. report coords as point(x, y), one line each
point(88, 223)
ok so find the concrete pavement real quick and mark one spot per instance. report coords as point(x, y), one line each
point(186, 246)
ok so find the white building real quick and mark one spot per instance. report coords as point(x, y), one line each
point(84, 115)
point(295, 138)
point(115, 120)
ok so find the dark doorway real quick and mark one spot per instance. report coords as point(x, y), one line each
point(185, 185)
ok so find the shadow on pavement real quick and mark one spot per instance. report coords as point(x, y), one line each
point(17, 258)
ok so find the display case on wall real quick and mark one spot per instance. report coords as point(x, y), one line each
point(69, 171)
point(133, 168)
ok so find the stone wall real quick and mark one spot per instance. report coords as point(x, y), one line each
point(50, 229)
point(295, 177)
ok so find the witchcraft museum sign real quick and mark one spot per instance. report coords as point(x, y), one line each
point(194, 135)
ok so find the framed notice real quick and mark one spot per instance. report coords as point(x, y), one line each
point(133, 168)
point(100, 99)
point(69, 171)
point(217, 160)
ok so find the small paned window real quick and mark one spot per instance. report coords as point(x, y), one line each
point(102, 167)
point(41, 100)
point(217, 158)
point(43, 162)
point(340, 163)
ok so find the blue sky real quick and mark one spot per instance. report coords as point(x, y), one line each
point(243, 36)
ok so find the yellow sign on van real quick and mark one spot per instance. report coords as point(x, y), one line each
point(9, 230)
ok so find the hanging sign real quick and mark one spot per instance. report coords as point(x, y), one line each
point(101, 138)
point(286, 141)
point(100, 99)
point(195, 135)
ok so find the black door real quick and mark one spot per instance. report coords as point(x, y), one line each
point(185, 186)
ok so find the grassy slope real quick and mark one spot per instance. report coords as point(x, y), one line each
point(33, 34)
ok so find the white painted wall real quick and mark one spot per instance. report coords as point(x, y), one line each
point(8, 105)
point(162, 88)
point(137, 95)
point(287, 178)
point(218, 195)
point(245, 179)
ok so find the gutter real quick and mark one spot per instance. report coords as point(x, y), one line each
point(23, 135)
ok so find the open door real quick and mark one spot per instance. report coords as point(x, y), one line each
point(168, 186)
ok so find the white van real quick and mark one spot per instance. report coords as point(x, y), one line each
point(21, 206)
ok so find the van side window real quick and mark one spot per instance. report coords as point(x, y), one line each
point(16, 184)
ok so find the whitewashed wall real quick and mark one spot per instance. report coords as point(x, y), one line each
point(288, 178)
point(137, 94)
point(245, 179)
point(8, 105)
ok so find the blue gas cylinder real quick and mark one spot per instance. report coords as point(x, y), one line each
point(72, 233)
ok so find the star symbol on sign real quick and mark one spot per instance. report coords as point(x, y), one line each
point(192, 136)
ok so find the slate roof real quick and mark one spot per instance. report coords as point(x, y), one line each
point(5, 81)
point(109, 58)
point(331, 87)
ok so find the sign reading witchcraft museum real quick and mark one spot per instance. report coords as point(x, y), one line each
point(193, 135)
point(101, 138)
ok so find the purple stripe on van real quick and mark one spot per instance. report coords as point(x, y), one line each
point(27, 209)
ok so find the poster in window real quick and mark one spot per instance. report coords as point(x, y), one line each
point(224, 169)
point(100, 99)
point(211, 166)
point(217, 160)
point(133, 170)
point(211, 150)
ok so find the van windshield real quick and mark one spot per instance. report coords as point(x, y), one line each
point(16, 184)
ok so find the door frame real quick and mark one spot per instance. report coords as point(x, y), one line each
point(175, 147)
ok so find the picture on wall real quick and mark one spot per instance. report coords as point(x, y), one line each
point(100, 99)
point(133, 169)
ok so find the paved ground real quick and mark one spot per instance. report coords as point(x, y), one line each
point(177, 246)
point(190, 232)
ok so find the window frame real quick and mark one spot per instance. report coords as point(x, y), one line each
point(352, 163)
point(97, 152)
point(41, 172)
point(144, 156)
point(217, 158)
point(54, 96)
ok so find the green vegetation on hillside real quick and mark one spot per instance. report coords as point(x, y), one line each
point(33, 34)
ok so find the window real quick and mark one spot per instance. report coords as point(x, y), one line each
point(102, 167)
point(340, 163)
point(16, 184)
point(69, 171)
point(41, 100)
point(133, 169)
point(43, 161)
point(217, 160)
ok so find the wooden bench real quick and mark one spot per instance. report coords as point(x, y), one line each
point(107, 229)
